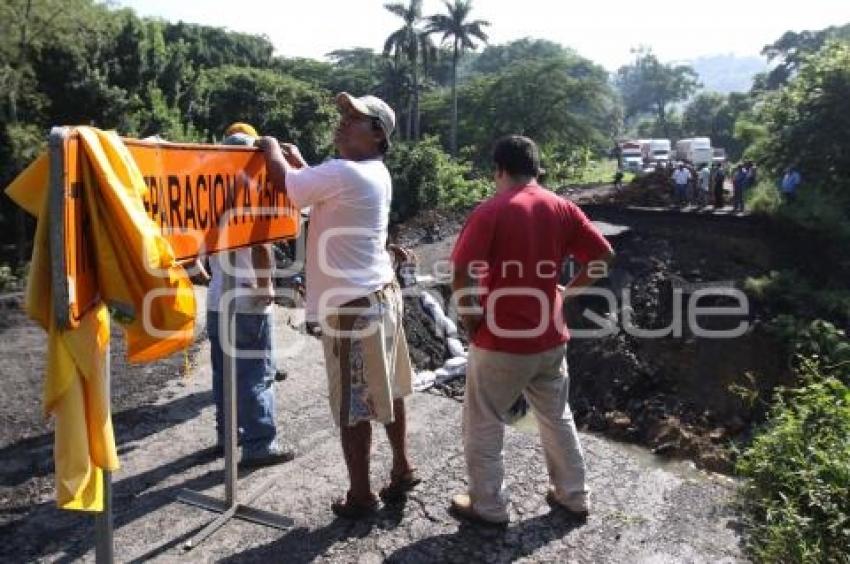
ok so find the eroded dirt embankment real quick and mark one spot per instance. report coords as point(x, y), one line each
point(681, 394)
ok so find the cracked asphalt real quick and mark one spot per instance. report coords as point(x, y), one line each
point(644, 510)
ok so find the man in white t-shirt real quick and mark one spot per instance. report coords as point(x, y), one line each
point(681, 178)
point(352, 292)
point(255, 403)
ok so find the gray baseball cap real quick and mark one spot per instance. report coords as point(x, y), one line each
point(371, 106)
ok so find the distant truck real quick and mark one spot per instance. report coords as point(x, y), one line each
point(719, 156)
point(696, 150)
point(631, 159)
point(655, 151)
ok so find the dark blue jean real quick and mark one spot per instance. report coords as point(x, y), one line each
point(682, 194)
point(254, 379)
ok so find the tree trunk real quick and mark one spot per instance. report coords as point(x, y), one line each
point(20, 215)
point(662, 119)
point(453, 141)
point(408, 130)
point(415, 101)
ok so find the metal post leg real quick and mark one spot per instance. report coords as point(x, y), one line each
point(230, 427)
point(103, 525)
point(104, 551)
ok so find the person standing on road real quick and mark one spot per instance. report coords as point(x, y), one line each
point(790, 182)
point(255, 373)
point(681, 178)
point(739, 178)
point(752, 175)
point(704, 185)
point(352, 291)
point(511, 250)
point(618, 180)
point(718, 178)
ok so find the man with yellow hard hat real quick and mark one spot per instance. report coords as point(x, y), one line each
point(251, 268)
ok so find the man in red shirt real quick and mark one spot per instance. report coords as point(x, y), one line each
point(510, 255)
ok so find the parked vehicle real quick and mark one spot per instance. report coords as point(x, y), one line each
point(655, 151)
point(695, 150)
point(719, 155)
point(631, 158)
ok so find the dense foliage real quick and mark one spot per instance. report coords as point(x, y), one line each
point(797, 495)
point(424, 176)
point(81, 62)
point(797, 492)
point(651, 86)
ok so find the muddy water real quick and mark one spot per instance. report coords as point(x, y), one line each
point(681, 468)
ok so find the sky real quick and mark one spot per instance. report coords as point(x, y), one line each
point(602, 30)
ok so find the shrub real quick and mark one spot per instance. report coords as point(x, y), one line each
point(785, 291)
point(797, 493)
point(764, 198)
point(426, 177)
point(822, 211)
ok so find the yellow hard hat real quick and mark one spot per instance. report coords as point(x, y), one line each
point(239, 127)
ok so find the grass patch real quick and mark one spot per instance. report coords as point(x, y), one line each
point(598, 172)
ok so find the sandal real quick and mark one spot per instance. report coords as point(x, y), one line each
point(350, 508)
point(399, 485)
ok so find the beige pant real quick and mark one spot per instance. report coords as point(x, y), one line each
point(366, 358)
point(494, 381)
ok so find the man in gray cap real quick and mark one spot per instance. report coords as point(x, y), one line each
point(352, 291)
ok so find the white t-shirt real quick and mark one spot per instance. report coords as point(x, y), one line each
point(681, 176)
point(243, 268)
point(347, 237)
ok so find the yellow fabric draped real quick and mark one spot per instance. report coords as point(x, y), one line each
point(133, 260)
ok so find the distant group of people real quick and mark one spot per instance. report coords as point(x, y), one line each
point(515, 347)
point(704, 186)
point(699, 185)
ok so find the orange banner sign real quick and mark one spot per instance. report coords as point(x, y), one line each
point(205, 198)
point(208, 198)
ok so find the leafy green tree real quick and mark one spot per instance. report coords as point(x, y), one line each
point(495, 58)
point(650, 86)
point(358, 71)
point(807, 122)
point(714, 115)
point(275, 104)
point(455, 27)
point(541, 99)
point(413, 44)
point(789, 52)
point(216, 47)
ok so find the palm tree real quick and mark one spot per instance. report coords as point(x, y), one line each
point(413, 44)
point(455, 26)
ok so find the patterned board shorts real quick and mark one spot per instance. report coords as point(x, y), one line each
point(366, 357)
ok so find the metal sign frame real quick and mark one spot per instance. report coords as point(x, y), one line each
point(64, 294)
point(230, 507)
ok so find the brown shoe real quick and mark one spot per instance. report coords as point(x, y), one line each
point(553, 502)
point(462, 507)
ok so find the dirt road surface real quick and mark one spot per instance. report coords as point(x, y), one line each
point(644, 510)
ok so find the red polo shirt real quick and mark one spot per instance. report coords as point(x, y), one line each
point(518, 241)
